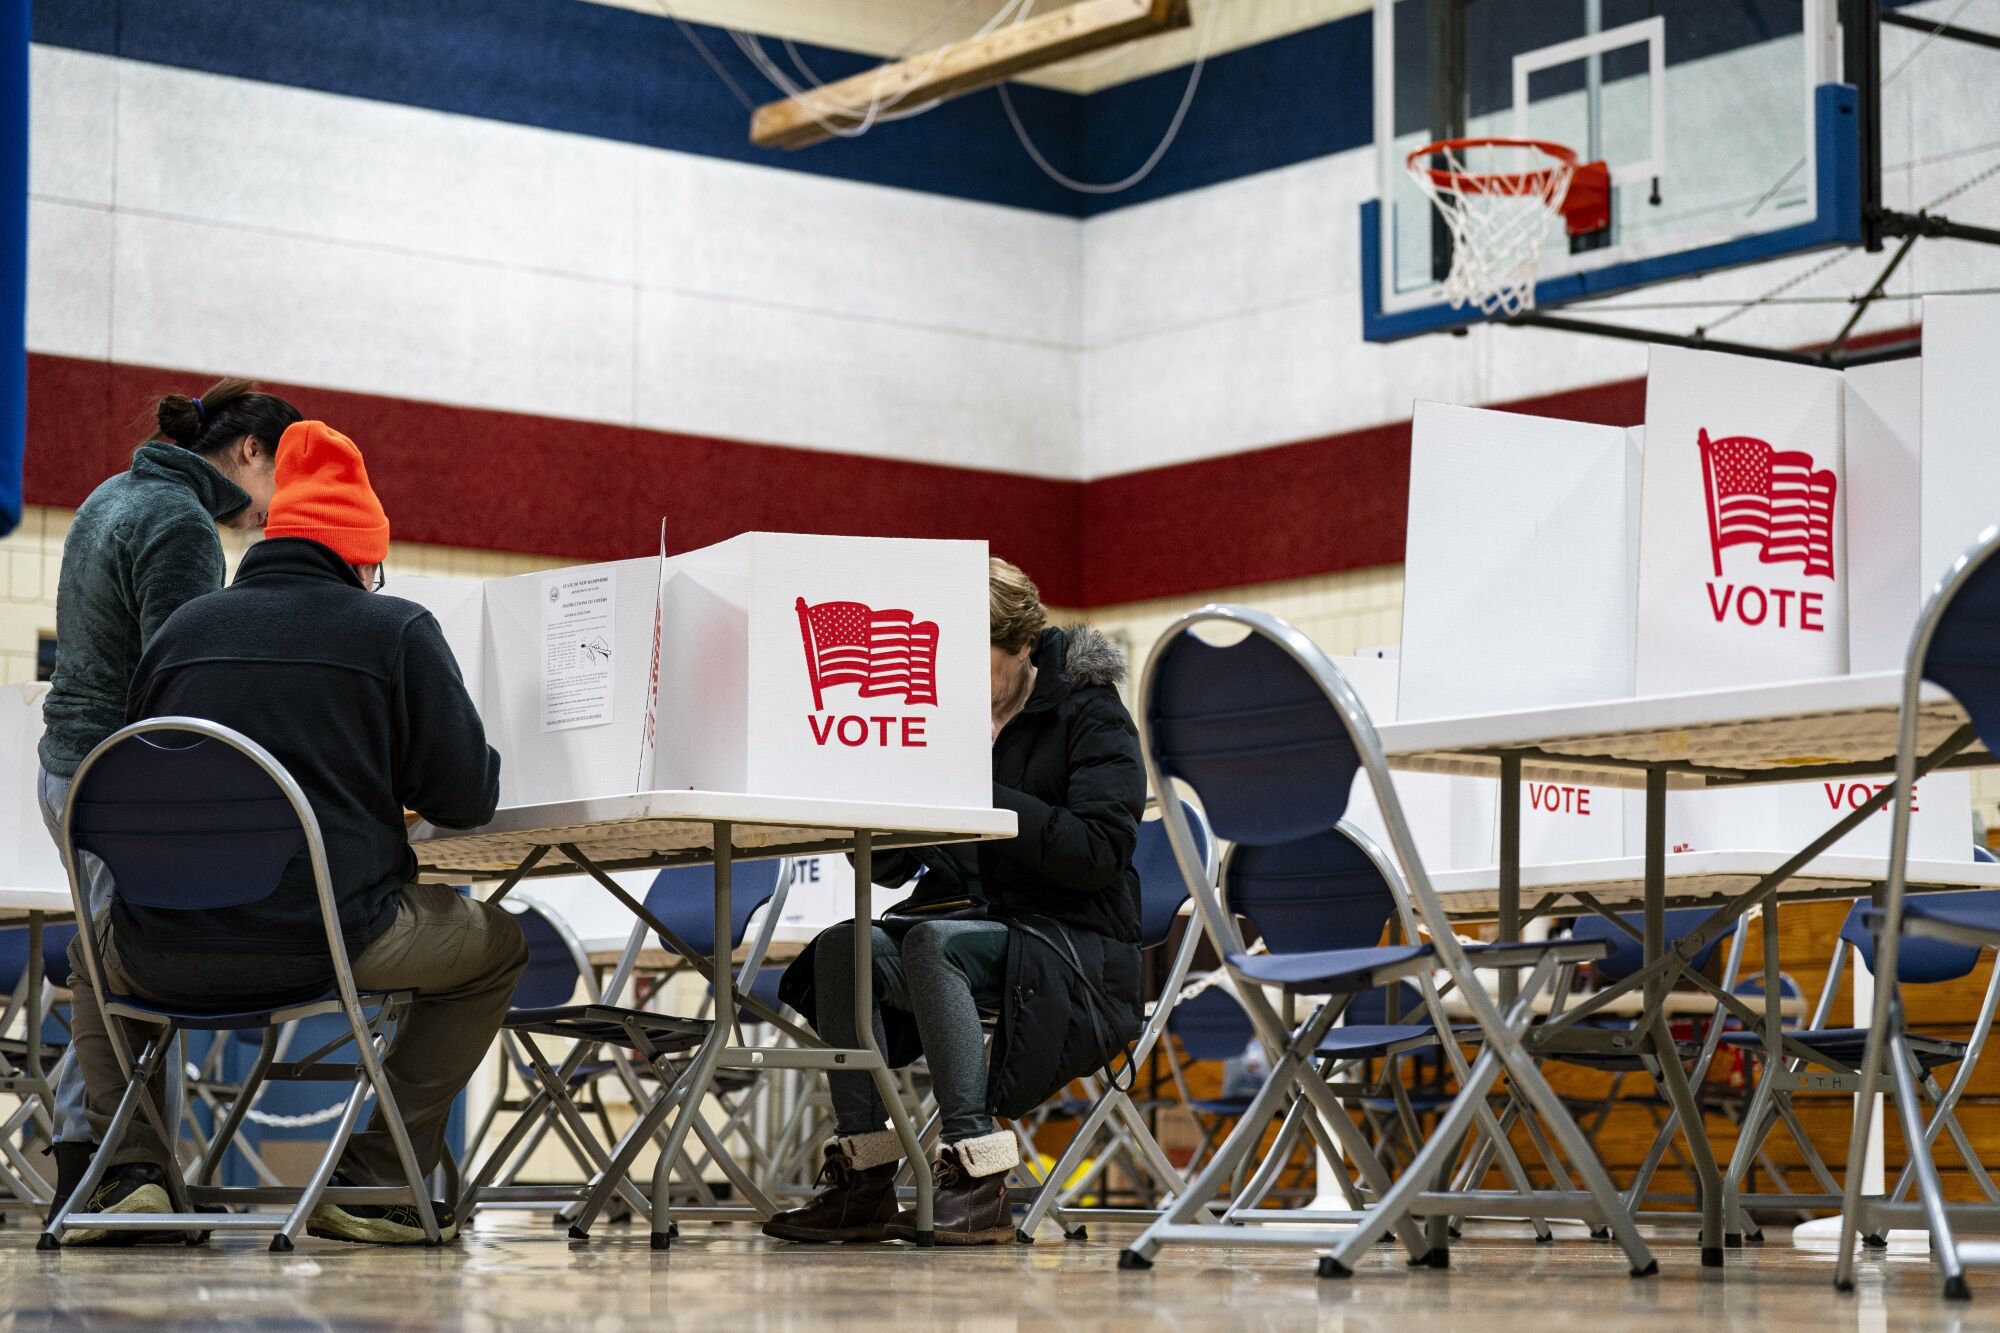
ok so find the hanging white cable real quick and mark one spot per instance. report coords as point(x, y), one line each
point(1145, 169)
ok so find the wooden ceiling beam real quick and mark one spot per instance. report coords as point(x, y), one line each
point(962, 67)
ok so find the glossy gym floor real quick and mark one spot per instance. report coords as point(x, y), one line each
point(515, 1273)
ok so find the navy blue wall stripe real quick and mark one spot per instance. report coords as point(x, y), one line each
point(616, 74)
point(13, 260)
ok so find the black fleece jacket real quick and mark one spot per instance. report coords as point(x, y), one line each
point(1068, 766)
point(358, 696)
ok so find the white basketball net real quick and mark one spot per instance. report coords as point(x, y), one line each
point(1499, 232)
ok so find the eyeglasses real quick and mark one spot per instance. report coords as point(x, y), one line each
point(381, 577)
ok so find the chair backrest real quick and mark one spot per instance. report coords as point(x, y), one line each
point(1628, 956)
point(1372, 1006)
point(1960, 636)
point(557, 964)
point(1253, 733)
point(1983, 856)
point(684, 898)
point(1161, 888)
point(1919, 961)
point(1318, 892)
point(1212, 1025)
point(189, 816)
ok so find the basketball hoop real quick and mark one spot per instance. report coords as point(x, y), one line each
point(1499, 197)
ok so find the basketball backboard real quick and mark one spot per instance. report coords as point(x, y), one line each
point(1728, 137)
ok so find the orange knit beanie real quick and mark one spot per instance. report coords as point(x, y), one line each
point(323, 493)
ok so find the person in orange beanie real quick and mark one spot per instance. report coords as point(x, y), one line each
point(359, 697)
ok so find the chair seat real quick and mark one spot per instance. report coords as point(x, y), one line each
point(1978, 912)
point(1221, 1105)
point(1329, 971)
point(224, 1020)
point(1364, 1041)
point(1338, 971)
point(609, 1023)
point(1847, 1047)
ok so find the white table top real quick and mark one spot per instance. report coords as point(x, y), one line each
point(16, 903)
point(1701, 878)
point(1791, 724)
point(642, 828)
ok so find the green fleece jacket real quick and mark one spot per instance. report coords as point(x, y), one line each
point(143, 543)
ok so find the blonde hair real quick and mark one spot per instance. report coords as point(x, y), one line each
point(1014, 606)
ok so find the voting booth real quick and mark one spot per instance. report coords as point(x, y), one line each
point(801, 666)
point(775, 664)
point(1519, 591)
point(28, 856)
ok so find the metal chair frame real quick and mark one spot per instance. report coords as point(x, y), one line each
point(1772, 1101)
point(1114, 1114)
point(609, 1167)
point(1888, 1053)
point(371, 1037)
point(1397, 1203)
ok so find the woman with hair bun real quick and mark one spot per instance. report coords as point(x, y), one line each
point(143, 543)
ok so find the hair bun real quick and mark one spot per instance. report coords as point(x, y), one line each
point(179, 419)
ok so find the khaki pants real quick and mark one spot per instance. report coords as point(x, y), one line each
point(461, 956)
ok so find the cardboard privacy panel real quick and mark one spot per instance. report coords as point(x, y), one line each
point(28, 856)
point(1885, 581)
point(1961, 390)
point(1450, 817)
point(1742, 536)
point(1785, 817)
point(567, 685)
point(1522, 538)
point(459, 606)
point(801, 666)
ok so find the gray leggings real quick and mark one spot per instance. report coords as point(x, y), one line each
point(943, 972)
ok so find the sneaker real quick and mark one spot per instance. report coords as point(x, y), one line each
point(378, 1223)
point(136, 1187)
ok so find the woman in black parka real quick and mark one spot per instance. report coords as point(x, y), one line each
point(1040, 931)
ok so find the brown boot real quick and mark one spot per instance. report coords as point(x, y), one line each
point(857, 1198)
point(969, 1205)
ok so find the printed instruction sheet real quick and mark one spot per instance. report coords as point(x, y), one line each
point(579, 627)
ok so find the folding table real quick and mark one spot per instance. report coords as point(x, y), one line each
point(1788, 731)
point(649, 830)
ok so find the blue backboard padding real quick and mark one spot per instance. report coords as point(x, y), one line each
point(13, 265)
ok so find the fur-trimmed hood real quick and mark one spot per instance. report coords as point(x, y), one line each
point(1091, 658)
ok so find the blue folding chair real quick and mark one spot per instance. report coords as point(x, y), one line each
point(558, 969)
point(1114, 1119)
point(1956, 645)
point(1825, 1056)
point(682, 899)
point(191, 816)
point(26, 1058)
point(1270, 736)
point(1328, 894)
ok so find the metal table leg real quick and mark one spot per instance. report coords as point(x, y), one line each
point(1673, 1078)
point(864, 1023)
point(1510, 866)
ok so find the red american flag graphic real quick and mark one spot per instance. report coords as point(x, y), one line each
point(884, 652)
point(1773, 499)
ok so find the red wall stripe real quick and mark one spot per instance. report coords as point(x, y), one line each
point(507, 481)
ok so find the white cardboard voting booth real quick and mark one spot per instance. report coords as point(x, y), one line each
point(1960, 487)
point(1742, 542)
point(798, 666)
point(1523, 542)
point(28, 856)
point(774, 663)
point(1884, 433)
